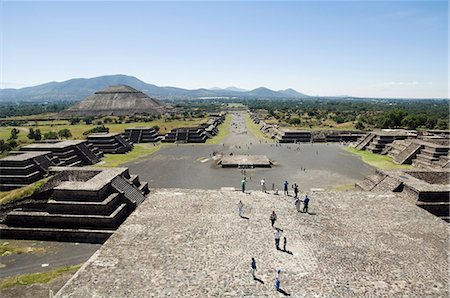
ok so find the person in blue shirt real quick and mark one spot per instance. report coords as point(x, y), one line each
point(286, 188)
point(254, 268)
point(305, 204)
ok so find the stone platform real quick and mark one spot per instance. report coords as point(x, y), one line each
point(245, 161)
point(192, 243)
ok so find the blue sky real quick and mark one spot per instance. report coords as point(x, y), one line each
point(360, 48)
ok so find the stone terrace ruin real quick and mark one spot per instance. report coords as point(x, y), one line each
point(141, 135)
point(245, 161)
point(110, 142)
point(288, 135)
point(428, 189)
point(376, 141)
point(197, 134)
point(23, 168)
point(70, 152)
point(76, 204)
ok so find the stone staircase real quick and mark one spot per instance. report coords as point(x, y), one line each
point(364, 141)
point(109, 143)
point(370, 181)
point(88, 205)
point(431, 156)
point(403, 151)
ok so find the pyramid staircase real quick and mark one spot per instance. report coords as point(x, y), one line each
point(23, 168)
point(81, 211)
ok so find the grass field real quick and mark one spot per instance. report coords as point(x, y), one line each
point(77, 130)
point(41, 277)
point(224, 131)
point(377, 160)
point(255, 128)
point(139, 151)
point(19, 193)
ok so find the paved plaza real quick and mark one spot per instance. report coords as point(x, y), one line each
point(192, 243)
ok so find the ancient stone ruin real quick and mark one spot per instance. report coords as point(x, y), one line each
point(118, 100)
point(197, 134)
point(428, 189)
point(76, 204)
point(141, 135)
point(69, 153)
point(285, 135)
point(110, 142)
point(245, 161)
point(23, 168)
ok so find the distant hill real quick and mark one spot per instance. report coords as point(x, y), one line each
point(78, 89)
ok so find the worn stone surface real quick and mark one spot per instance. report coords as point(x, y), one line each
point(192, 243)
point(245, 160)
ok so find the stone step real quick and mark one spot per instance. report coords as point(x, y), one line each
point(105, 207)
point(365, 185)
point(21, 179)
point(67, 221)
point(27, 169)
point(55, 234)
point(144, 188)
point(11, 186)
point(134, 179)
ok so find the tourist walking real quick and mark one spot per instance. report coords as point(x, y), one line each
point(305, 204)
point(243, 182)
point(297, 204)
point(240, 208)
point(254, 268)
point(295, 190)
point(286, 187)
point(263, 185)
point(278, 279)
point(277, 234)
point(273, 218)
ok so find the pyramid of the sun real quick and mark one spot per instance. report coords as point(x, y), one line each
point(118, 100)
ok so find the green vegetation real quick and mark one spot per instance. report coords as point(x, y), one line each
point(377, 160)
point(255, 129)
point(26, 108)
point(224, 131)
point(19, 193)
point(41, 277)
point(16, 247)
point(348, 113)
point(344, 187)
point(140, 150)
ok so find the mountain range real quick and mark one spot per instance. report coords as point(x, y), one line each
point(78, 89)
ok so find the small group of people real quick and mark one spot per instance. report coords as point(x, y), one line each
point(305, 204)
point(277, 276)
point(278, 234)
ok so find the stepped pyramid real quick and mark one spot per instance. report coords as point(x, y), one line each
point(118, 100)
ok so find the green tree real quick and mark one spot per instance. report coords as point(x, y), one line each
point(88, 119)
point(51, 135)
point(14, 134)
point(74, 120)
point(64, 133)
point(442, 124)
point(31, 134)
point(359, 125)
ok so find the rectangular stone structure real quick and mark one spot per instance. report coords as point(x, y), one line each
point(245, 161)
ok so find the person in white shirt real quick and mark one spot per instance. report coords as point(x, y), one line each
point(278, 234)
point(263, 185)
